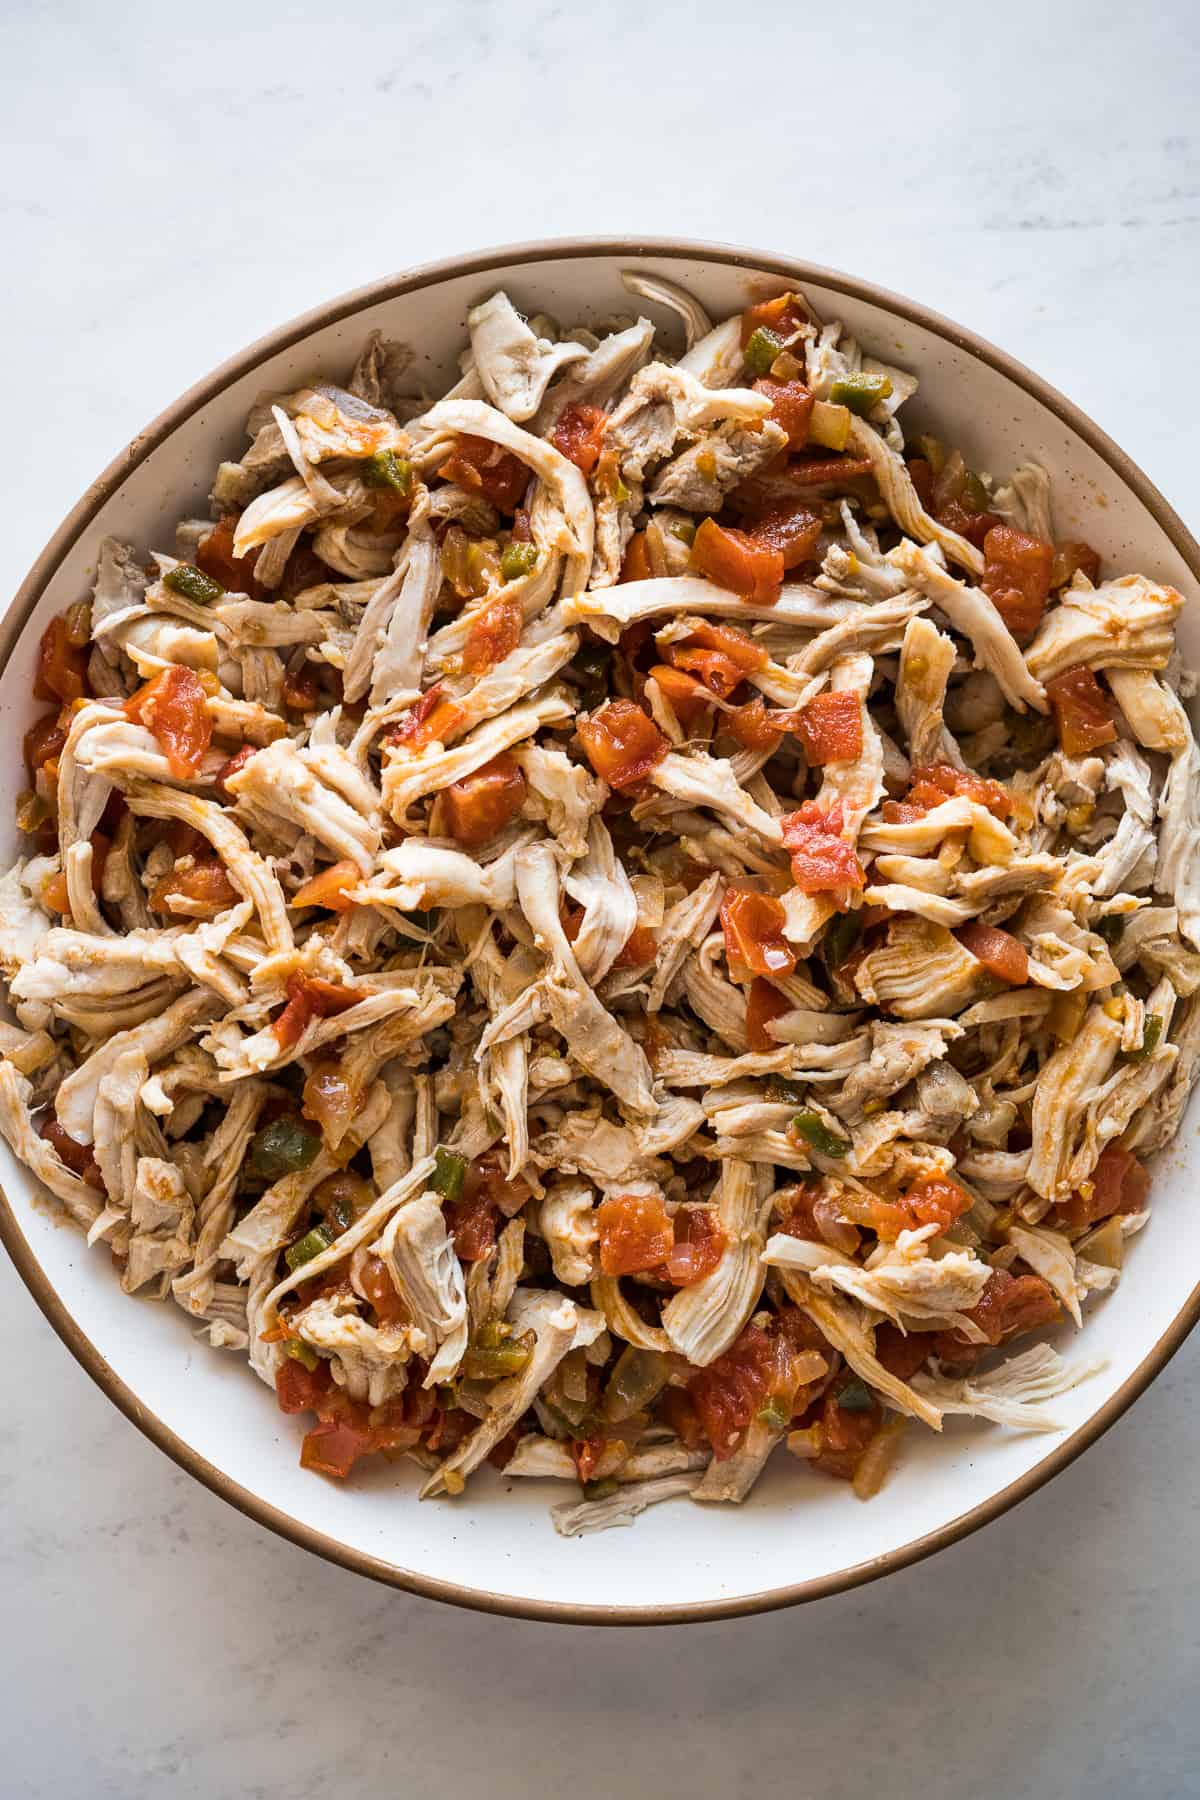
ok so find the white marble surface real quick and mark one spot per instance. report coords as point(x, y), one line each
point(170, 192)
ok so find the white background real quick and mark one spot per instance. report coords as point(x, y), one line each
point(171, 191)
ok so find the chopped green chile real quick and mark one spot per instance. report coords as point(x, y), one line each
point(764, 346)
point(193, 584)
point(781, 1090)
point(856, 1396)
point(638, 1377)
point(818, 1136)
point(860, 391)
point(281, 1148)
point(309, 1246)
point(495, 1353)
point(517, 560)
point(387, 470)
point(841, 935)
point(1111, 928)
point(301, 1352)
point(449, 1173)
point(775, 1414)
point(1152, 1027)
point(600, 1490)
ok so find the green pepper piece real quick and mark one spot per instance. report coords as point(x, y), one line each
point(193, 584)
point(1111, 928)
point(281, 1148)
point(775, 1414)
point(493, 1365)
point(387, 470)
point(761, 350)
point(780, 1089)
point(856, 1396)
point(1151, 1032)
point(301, 1352)
point(684, 530)
point(818, 1136)
point(449, 1173)
point(310, 1245)
point(600, 1490)
point(517, 560)
point(860, 391)
point(841, 935)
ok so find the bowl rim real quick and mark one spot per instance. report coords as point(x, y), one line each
point(27, 597)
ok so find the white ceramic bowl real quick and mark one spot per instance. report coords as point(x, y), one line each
point(800, 1535)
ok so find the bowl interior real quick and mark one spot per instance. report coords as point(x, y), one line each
point(495, 1545)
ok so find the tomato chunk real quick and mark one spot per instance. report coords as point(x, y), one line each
point(792, 530)
point(308, 998)
point(377, 1284)
point(215, 558)
point(205, 886)
point(689, 699)
point(79, 1158)
point(45, 738)
point(484, 468)
point(830, 728)
point(698, 1247)
point(735, 560)
point(430, 719)
point(1081, 711)
point(494, 635)
point(622, 743)
point(640, 947)
point(791, 407)
point(237, 761)
point(635, 1233)
point(763, 1003)
point(753, 927)
point(329, 887)
point(299, 1389)
point(1016, 576)
point(1010, 1304)
point(174, 706)
point(935, 1200)
point(1000, 953)
point(822, 861)
point(752, 726)
point(579, 435)
point(61, 671)
point(901, 1354)
point(783, 315)
point(719, 656)
point(1071, 557)
point(636, 563)
point(934, 783)
point(730, 1392)
point(331, 1100)
point(1119, 1183)
point(477, 806)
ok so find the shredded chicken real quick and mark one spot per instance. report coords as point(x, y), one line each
point(555, 987)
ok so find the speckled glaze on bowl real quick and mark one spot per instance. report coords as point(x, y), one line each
point(799, 1536)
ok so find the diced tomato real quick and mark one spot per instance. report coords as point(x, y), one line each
point(329, 887)
point(55, 894)
point(689, 700)
point(901, 1355)
point(304, 568)
point(753, 927)
point(494, 635)
point(791, 407)
point(823, 471)
point(472, 1224)
point(301, 690)
point(960, 501)
point(636, 563)
point(174, 706)
point(731, 1391)
point(478, 805)
point(1016, 577)
point(640, 947)
point(522, 528)
point(1010, 1304)
point(763, 1003)
point(1070, 558)
point(45, 739)
point(920, 473)
point(783, 315)
point(738, 562)
point(698, 1247)
point(1119, 1183)
point(61, 672)
point(579, 435)
point(792, 530)
point(376, 1282)
point(484, 468)
point(215, 558)
point(830, 728)
point(846, 1431)
point(79, 1158)
point(331, 1099)
point(430, 719)
point(752, 727)
point(932, 784)
point(635, 1233)
point(333, 1446)
point(822, 861)
point(622, 743)
point(309, 997)
point(935, 1200)
point(299, 1389)
point(205, 885)
point(1081, 711)
point(1000, 953)
point(237, 761)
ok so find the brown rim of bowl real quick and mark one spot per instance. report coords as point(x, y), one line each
point(18, 1247)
